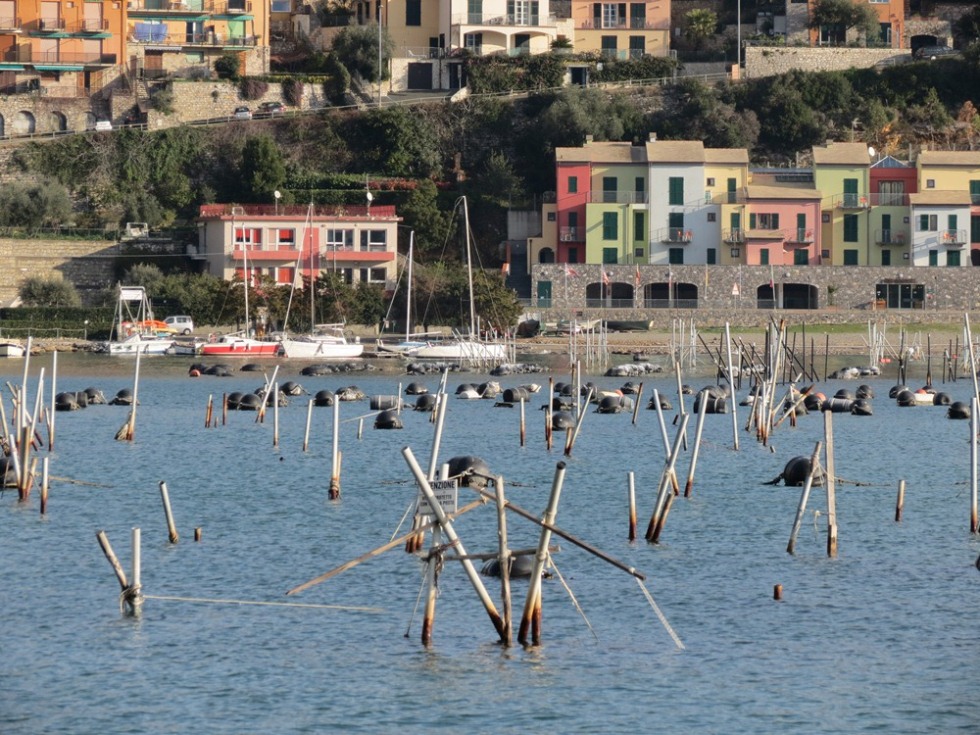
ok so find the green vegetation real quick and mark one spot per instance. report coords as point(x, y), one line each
point(39, 291)
point(836, 17)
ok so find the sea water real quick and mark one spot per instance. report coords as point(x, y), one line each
point(881, 638)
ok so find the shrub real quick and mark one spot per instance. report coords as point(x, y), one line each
point(38, 291)
point(292, 92)
point(252, 89)
point(227, 66)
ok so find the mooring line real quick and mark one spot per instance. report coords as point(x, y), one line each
point(571, 595)
point(663, 618)
point(351, 608)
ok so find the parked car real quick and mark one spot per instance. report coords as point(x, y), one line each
point(103, 126)
point(243, 113)
point(931, 52)
point(181, 323)
point(267, 109)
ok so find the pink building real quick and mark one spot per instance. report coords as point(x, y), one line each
point(783, 226)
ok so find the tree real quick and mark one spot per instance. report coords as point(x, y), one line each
point(699, 25)
point(34, 204)
point(966, 28)
point(394, 141)
point(262, 168)
point(836, 17)
point(38, 291)
point(357, 49)
point(227, 66)
point(421, 213)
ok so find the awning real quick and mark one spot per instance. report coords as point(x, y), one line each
point(58, 67)
point(10, 67)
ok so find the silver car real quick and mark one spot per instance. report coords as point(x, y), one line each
point(182, 323)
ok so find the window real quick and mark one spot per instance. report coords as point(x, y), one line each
point(732, 190)
point(711, 181)
point(711, 256)
point(850, 257)
point(930, 183)
point(891, 193)
point(611, 14)
point(340, 239)
point(552, 216)
point(933, 257)
point(640, 187)
point(610, 226)
point(675, 190)
point(248, 237)
point(886, 256)
point(347, 274)
point(675, 256)
point(610, 187)
point(372, 275)
point(413, 12)
point(474, 9)
point(639, 226)
point(286, 238)
point(764, 221)
point(975, 191)
point(608, 46)
point(951, 222)
point(711, 217)
point(638, 47)
point(974, 229)
point(928, 223)
point(953, 258)
point(573, 255)
point(884, 32)
point(473, 41)
point(638, 253)
point(524, 12)
point(610, 256)
point(374, 240)
point(850, 228)
point(638, 15)
point(573, 184)
point(764, 256)
point(801, 256)
point(851, 193)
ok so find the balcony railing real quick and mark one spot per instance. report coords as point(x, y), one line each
point(800, 235)
point(675, 235)
point(890, 200)
point(609, 303)
point(150, 36)
point(670, 303)
point(26, 55)
point(215, 7)
point(889, 237)
point(617, 197)
point(571, 234)
point(8, 24)
point(851, 201)
point(419, 52)
point(736, 234)
point(486, 19)
point(953, 238)
point(51, 24)
point(90, 25)
point(622, 24)
point(761, 233)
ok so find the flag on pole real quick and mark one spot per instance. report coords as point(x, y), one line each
point(605, 278)
point(636, 277)
point(569, 271)
point(771, 282)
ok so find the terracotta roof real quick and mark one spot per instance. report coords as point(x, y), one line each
point(675, 151)
point(842, 154)
point(949, 158)
point(604, 152)
point(754, 191)
point(941, 197)
point(726, 155)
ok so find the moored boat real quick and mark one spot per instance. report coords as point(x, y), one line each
point(11, 349)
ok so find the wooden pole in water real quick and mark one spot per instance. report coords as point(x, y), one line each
point(523, 426)
point(900, 501)
point(731, 384)
point(973, 357)
point(531, 618)
point(663, 432)
point(547, 414)
point(663, 488)
point(275, 415)
point(504, 560)
point(631, 491)
point(433, 565)
point(224, 409)
point(131, 431)
point(636, 406)
point(54, 388)
point(171, 528)
point(826, 354)
point(928, 360)
point(777, 592)
point(974, 422)
point(828, 424)
point(197, 534)
point(309, 420)
point(697, 445)
point(662, 518)
point(113, 559)
point(681, 410)
point(360, 428)
point(573, 435)
point(450, 532)
point(207, 411)
point(135, 596)
point(44, 486)
point(335, 454)
point(804, 496)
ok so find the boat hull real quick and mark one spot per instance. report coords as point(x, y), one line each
point(461, 350)
point(11, 349)
point(140, 345)
point(241, 347)
point(298, 348)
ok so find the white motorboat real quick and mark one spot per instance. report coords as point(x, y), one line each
point(135, 331)
point(327, 341)
point(12, 349)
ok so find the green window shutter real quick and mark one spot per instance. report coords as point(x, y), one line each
point(639, 227)
point(886, 256)
point(933, 257)
point(752, 221)
point(951, 222)
point(712, 256)
point(975, 191)
point(675, 256)
point(850, 257)
point(675, 193)
point(850, 228)
point(764, 256)
point(923, 222)
point(975, 229)
point(610, 255)
point(953, 258)
point(675, 220)
point(573, 184)
point(775, 221)
point(610, 226)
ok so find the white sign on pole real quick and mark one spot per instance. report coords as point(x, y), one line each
point(446, 492)
point(735, 291)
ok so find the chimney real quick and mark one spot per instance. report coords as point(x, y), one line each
point(588, 139)
point(653, 137)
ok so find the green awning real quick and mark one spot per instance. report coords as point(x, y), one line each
point(58, 67)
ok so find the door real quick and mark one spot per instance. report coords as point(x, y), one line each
point(420, 76)
point(544, 294)
point(886, 228)
point(850, 192)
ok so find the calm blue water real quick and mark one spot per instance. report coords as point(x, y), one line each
point(881, 639)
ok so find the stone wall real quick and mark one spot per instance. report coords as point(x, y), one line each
point(844, 293)
point(208, 99)
point(767, 61)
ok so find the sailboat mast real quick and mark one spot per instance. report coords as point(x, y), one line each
point(234, 238)
point(314, 268)
point(408, 297)
point(469, 268)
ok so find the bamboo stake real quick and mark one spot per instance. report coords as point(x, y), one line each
point(573, 435)
point(432, 580)
point(504, 560)
point(547, 414)
point(531, 618)
point(208, 410)
point(131, 431)
point(171, 528)
point(335, 454)
point(197, 534)
point(113, 559)
point(831, 486)
point(801, 508)
point(731, 385)
point(275, 416)
point(309, 420)
point(663, 432)
point(662, 518)
point(135, 592)
point(663, 489)
point(680, 395)
point(44, 486)
point(224, 409)
point(636, 406)
point(269, 383)
point(632, 504)
point(973, 357)
point(697, 446)
point(523, 427)
point(446, 524)
point(54, 388)
point(900, 501)
point(974, 421)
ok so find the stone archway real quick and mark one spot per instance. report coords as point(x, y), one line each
point(546, 255)
point(23, 123)
point(57, 122)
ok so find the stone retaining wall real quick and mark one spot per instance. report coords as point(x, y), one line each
point(767, 61)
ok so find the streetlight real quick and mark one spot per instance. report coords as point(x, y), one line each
point(277, 195)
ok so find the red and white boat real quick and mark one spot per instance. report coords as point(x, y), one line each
point(238, 345)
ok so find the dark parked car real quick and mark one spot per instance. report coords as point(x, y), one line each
point(931, 52)
point(267, 109)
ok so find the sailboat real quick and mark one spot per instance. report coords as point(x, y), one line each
point(412, 342)
point(241, 344)
point(325, 341)
point(134, 328)
point(468, 347)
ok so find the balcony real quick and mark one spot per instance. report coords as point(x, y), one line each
point(51, 25)
point(800, 235)
point(953, 238)
point(54, 60)
point(675, 236)
point(419, 52)
point(10, 24)
point(571, 234)
point(519, 20)
point(764, 234)
point(734, 235)
point(890, 200)
point(150, 8)
point(617, 197)
point(851, 201)
point(889, 237)
point(622, 24)
point(157, 35)
point(90, 25)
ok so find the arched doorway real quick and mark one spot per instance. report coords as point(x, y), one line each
point(23, 123)
point(57, 122)
point(546, 255)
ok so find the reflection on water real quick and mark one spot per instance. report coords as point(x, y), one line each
point(889, 622)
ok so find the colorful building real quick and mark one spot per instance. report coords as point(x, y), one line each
point(841, 174)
